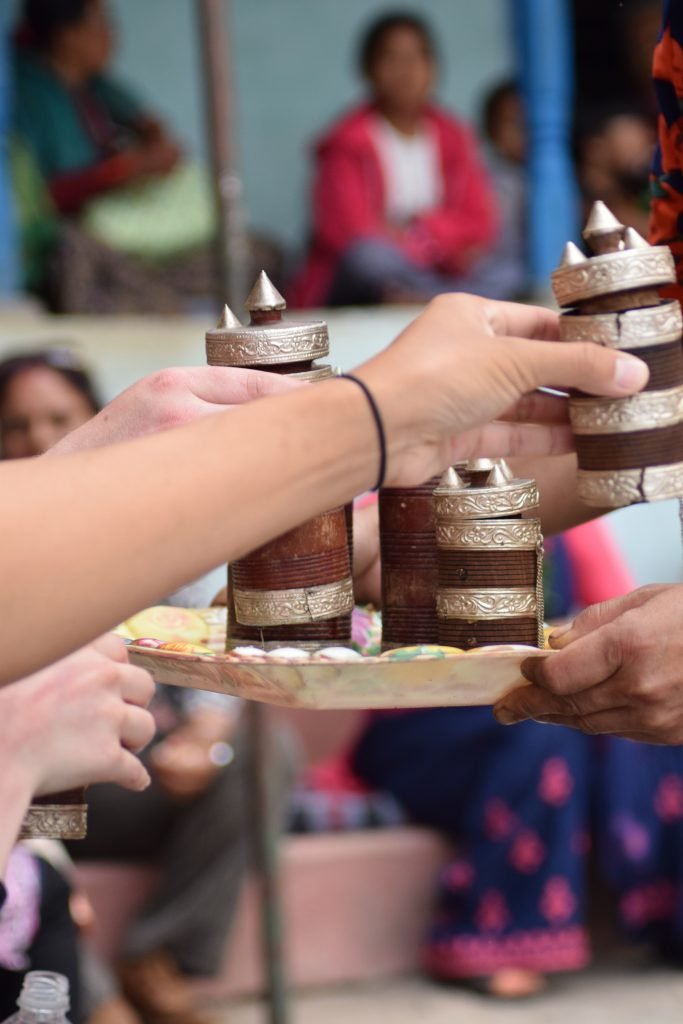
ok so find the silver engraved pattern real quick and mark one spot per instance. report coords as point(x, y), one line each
point(486, 504)
point(293, 607)
point(645, 411)
point(289, 344)
point(613, 272)
point(485, 536)
point(637, 328)
point(617, 488)
point(324, 372)
point(477, 605)
point(55, 821)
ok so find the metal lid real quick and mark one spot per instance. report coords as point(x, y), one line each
point(499, 496)
point(267, 340)
point(622, 261)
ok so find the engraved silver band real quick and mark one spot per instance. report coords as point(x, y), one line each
point(613, 272)
point(636, 328)
point(290, 344)
point(486, 503)
point(648, 410)
point(618, 488)
point(486, 535)
point(324, 372)
point(476, 605)
point(293, 607)
point(55, 821)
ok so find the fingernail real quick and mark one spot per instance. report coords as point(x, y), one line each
point(506, 716)
point(631, 374)
point(560, 631)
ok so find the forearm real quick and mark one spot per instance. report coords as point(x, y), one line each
point(92, 537)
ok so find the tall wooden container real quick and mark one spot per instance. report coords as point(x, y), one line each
point(298, 588)
point(629, 449)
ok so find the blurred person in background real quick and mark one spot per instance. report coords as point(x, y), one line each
point(113, 216)
point(191, 821)
point(402, 207)
point(614, 150)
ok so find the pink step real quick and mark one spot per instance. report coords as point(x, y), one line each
point(356, 905)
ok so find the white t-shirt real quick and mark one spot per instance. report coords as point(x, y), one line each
point(411, 165)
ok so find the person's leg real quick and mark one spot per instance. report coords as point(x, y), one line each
point(640, 832)
point(204, 861)
point(515, 800)
point(372, 271)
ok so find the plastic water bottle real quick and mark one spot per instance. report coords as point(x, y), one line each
point(44, 999)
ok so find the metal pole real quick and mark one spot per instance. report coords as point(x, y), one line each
point(544, 42)
point(264, 835)
point(231, 245)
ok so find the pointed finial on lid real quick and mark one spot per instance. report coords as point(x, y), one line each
point(452, 480)
point(228, 320)
point(601, 221)
point(264, 296)
point(497, 477)
point(634, 240)
point(571, 255)
point(505, 469)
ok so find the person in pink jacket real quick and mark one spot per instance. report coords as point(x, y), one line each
point(402, 206)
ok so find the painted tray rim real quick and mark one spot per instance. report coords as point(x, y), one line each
point(455, 680)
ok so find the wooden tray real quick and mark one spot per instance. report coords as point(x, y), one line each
point(456, 680)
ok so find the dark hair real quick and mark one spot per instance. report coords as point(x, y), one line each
point(62, 361)
point(44, 19)
point(493, 101)
point(379, 29)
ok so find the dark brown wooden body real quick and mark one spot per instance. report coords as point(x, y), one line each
point(409, 565)
point(460, 633)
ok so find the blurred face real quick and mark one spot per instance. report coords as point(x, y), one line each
point(508, 132)
point(403, 72)
point(88, 44)
point(40, 406)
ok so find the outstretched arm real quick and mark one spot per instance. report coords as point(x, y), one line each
point(92, 537)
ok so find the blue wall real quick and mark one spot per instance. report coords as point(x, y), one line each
point(293, 63)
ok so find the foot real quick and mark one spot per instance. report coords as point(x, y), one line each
point(159, 990)
point(514, 983)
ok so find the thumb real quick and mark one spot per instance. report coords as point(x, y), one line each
point(598, 615)
point(584, 365)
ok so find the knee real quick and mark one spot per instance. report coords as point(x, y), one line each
point(371, 258)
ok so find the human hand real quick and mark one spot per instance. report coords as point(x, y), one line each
point(186, 762)
point(460, 382)
point(618, 669)
point(79, 721)
point(156, 155)
point(170, 398)
point(367, 571)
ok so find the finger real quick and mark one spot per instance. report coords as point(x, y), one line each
point(111, 646)
point(498, 440)
point(137, 686)
point(615, 722)
point(596, 369)
point(538, 407)
point(129, 773)
point(225, 385)
point(598, 615)
point(534, 702)
point(137, 729)
point(535, 322)
point(585, 663)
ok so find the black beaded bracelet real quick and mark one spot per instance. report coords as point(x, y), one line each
point(377, 416)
